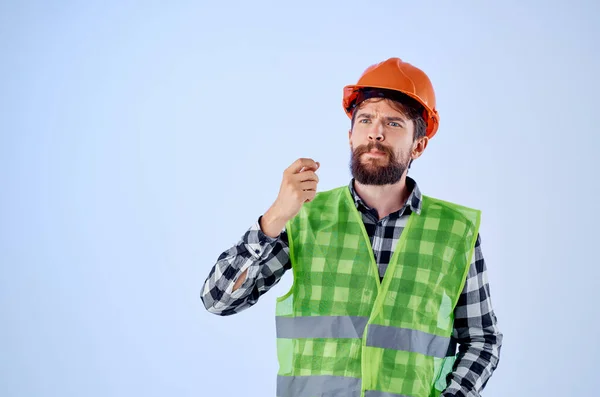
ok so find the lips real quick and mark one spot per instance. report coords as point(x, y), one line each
point(376, 153)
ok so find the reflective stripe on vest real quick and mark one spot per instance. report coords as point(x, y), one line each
point(409, 340)
point(342, 327)
point(321, 327)
point(375, 393)
point(309, 386)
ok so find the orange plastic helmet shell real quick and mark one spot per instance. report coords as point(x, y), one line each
point(395, 74)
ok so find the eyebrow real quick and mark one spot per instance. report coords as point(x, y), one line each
point(400, 119)
point(367, 115)
point(393, 118)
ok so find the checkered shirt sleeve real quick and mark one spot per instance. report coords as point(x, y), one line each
point(266, 260)
point(477, 333)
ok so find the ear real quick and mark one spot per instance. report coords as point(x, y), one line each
point(419, 148)
point(350, 138)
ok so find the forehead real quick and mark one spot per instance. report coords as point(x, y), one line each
point(380, 107)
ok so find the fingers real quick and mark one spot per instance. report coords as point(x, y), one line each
point(302, 175)
point(309, 195)
point(301, 163)
point(306, 176)
point(308, 185)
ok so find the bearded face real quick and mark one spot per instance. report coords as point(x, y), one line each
point(377, 164)
point(381, 141)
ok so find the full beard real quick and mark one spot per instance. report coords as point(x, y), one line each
point(383, 170)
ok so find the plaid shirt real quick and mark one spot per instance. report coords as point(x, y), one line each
point(267, 259)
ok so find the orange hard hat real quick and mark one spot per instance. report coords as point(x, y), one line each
point(397, 75)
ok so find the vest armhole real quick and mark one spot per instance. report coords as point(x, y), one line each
point(288, 227)
point(471, 253)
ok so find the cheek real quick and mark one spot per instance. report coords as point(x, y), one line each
point(359, 137)
point(407, 151)
point(402, 149)
point(404, 143)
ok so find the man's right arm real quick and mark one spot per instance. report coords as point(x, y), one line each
point(258, 261)
point(247, 270)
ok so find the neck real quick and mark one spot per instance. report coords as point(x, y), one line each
point(386, 198)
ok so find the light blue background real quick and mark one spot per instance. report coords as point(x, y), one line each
point(140, 140)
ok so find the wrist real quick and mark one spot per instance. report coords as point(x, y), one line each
point(272, 223)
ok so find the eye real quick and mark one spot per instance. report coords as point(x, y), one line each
point(394, 124)
point(364, 121)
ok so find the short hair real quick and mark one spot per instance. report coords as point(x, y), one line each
point(403, 103)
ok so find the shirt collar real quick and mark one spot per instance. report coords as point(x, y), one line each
point(413, 202)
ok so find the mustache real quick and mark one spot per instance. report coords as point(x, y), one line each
point(360, 150)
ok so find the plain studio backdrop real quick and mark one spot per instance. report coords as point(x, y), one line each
point(140, 140)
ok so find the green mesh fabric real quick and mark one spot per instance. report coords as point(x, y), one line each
point(329, 243)
point(427, 270)
point(335, 274)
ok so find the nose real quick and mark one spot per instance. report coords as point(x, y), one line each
point(376, 132)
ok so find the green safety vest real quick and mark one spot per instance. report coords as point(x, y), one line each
point(343, 333)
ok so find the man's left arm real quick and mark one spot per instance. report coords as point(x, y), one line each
point(477, 333)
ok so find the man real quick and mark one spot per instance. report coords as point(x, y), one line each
point(387, 281)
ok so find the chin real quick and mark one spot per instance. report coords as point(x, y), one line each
point(375, 162)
